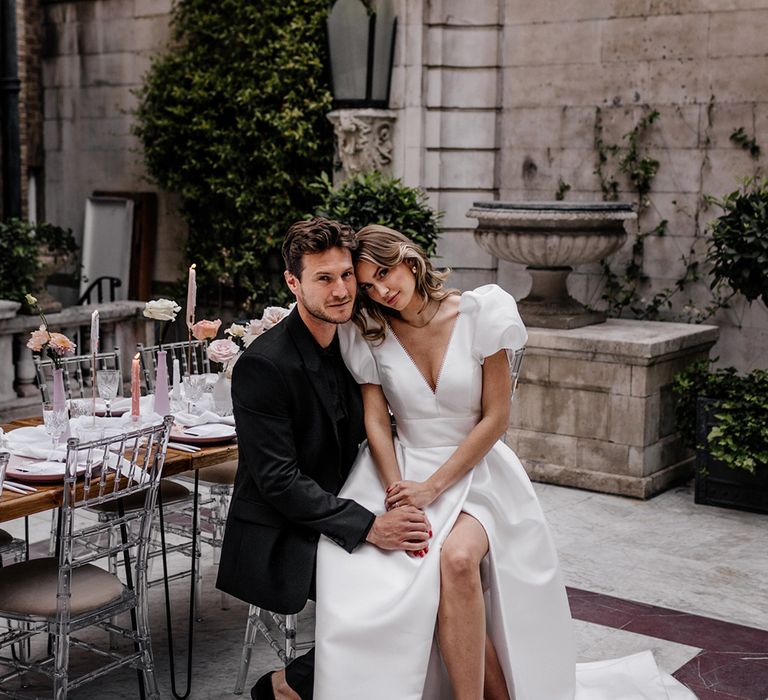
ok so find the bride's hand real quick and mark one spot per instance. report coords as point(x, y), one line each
point(410, 493)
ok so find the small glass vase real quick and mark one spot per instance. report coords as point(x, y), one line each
point(162, 399)
point(222, 395)
point(60, 398)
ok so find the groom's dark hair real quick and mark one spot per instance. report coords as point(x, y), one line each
point(314, 236)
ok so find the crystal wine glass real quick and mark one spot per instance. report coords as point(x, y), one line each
point(55, 421)
point(193, 386)
point(107, 382)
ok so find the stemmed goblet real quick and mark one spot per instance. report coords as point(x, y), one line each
point(55, 421)
point(107, 382)
point(193, 386)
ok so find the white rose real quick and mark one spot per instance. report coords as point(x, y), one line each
point(161, 310)
point(273, 315)
point(235, 330)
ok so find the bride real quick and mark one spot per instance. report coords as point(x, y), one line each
point(482, 612)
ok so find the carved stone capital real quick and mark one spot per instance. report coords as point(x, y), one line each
point(362, 140)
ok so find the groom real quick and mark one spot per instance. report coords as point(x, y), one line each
point(299, 418)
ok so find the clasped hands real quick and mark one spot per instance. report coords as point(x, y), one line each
point(405, 524)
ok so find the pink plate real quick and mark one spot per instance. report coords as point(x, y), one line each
point(209, 434)
point(38, 471)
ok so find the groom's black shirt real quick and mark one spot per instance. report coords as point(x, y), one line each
point(341, 391)
point(299, 419)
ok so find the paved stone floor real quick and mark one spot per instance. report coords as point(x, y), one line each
point(688, 582)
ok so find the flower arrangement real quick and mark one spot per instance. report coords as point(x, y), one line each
point(228, 351)
point(162, 310)
point(43, 341)
point(246, 334)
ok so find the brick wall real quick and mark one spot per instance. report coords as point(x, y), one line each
point(94, 56)
point(29, 27)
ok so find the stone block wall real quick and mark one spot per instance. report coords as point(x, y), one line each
point(461, 93)
point(94, 56)
point(702, 65)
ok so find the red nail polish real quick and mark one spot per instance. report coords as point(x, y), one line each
point(430, 533)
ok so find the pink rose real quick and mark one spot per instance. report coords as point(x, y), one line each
point(273, 315)
point(252, 331)
point(222, 351)
point(206, 330)
point(38, 339)
point(61, 345)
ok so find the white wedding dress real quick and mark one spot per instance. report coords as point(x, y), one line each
point(376, 610)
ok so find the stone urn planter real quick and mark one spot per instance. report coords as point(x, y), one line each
point(8, 308)
point(550, 238)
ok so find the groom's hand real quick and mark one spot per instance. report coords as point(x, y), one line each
point(404, 528)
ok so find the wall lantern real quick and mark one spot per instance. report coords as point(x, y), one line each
point(361, 42)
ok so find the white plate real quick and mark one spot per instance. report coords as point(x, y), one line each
point(207, 434)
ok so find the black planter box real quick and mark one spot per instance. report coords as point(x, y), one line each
point(717, 484)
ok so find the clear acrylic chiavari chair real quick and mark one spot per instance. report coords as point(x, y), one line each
point(13, 548)
point(218, 480)
point(60, 596)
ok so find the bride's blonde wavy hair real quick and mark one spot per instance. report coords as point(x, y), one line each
point(385, 247)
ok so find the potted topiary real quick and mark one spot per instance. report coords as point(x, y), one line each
point(738, 249)
point(373, 198)
point(724, 416)
point(29, 251)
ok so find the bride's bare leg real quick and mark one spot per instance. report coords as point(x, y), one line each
point(495, 687)
point(461, 615)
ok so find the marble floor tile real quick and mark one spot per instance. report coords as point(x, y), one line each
point(595, 643)
point(738, 675)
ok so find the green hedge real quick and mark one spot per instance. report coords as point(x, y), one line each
point(232, 118)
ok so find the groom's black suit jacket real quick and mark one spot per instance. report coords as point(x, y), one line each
point(292, 464)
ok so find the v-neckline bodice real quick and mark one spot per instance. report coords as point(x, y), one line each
point(406, 352)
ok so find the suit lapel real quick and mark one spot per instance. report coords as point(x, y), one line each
point(307, 348)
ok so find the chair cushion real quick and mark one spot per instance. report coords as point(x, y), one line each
point(170, 490)
point(220, 473)
point(5, 537)
point(30, 588)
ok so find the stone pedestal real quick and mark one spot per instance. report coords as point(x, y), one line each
point(594, 408)
point(363, 141)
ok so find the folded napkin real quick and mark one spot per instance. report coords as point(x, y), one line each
point(190, 419)
point(35, 443)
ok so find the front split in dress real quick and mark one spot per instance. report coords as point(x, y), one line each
point(376, 611)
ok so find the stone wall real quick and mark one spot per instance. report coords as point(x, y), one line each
point(95, 55)
point(511, 92)
point(496, 99)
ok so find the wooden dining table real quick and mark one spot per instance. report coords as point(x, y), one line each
point(15, 505)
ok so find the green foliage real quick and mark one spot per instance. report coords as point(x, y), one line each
point(232, 118)
point(738, 249)
point(623, 290)
point(20, 243)
point(562, 189)
point(740, 437)
point(740, 138)
point(373, 198)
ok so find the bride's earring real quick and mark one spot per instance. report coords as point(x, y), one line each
point(413, 269)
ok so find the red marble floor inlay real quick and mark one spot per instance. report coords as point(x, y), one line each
point(732, 666)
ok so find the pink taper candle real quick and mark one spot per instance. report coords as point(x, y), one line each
point(191, 296)
point(135, 387)
point(95, 332)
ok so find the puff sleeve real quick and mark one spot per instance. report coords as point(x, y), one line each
point(497, 323)
point(357, 355)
